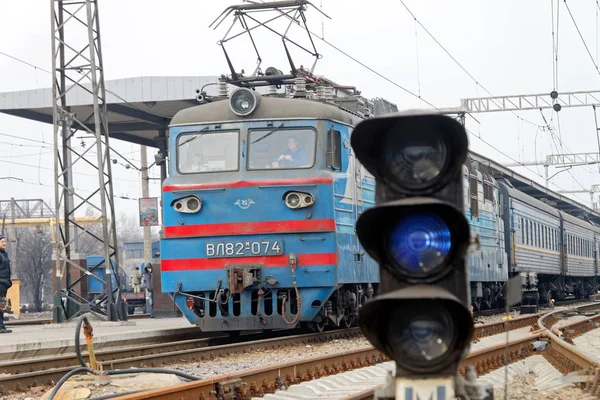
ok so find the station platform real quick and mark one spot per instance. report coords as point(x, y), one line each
point(27, 341)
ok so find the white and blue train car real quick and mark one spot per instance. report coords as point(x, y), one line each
point(554, 252)
point(488, 266)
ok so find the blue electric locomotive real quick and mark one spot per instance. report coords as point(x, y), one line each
point(259, 213)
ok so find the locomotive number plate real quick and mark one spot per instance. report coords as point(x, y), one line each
point(273, 247)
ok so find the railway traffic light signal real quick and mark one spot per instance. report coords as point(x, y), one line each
point(418, 234)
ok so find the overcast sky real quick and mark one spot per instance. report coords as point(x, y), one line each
point(505, 45)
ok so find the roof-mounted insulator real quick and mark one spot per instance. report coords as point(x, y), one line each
point(299, 87)
point(222, 88)
point(328, 93)
point(321, 92)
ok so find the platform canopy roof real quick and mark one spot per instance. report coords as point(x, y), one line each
point(138, 108)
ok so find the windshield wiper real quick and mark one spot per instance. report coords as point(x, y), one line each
point(268, 134)
point(196, 136)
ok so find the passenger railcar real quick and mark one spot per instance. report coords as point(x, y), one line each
point(259, 213)
point(553, 251)
point(488, 269)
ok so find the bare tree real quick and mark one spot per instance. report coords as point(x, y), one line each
point(35, 264)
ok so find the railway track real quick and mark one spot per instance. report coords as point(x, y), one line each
point(23, 374)
point(581, 366)
point(496, 311)
point(19, 375)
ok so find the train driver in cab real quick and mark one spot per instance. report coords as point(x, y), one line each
point(293, 157)
point(197, 164)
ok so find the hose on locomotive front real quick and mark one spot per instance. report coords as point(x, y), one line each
point(292, 261)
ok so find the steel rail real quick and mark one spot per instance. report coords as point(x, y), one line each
point(47, 371)
point(258, 381)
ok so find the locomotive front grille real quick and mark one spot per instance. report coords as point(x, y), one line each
point(258, 302)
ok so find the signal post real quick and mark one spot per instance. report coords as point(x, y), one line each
point(418, 234)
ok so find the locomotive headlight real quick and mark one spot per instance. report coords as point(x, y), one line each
point(188, 205)
point(298, 200)
point(243, 101)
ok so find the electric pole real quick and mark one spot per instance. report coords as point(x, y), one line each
point(145, 194)
point(13, 240)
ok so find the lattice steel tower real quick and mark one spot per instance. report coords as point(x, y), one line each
point(77, 67)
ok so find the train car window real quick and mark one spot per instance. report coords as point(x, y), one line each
point(546, 237)
point(522, 230)
point(273, 148)
point(488, 191)
point(569, 244)
point(202, 152)
point(586, 249)
point(334, 156)
point(474, 197)
point(527, 230)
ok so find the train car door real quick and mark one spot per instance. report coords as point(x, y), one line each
point(595, 255)
point(355, 179)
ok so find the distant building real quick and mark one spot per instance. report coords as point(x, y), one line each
point(133, 255)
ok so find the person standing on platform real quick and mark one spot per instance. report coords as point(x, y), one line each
point(136, 280)
point(5, 281)
point(149, 292)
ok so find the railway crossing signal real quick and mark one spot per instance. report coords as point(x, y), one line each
point(418, 234)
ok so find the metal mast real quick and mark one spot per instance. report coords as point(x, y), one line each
point(77, 69)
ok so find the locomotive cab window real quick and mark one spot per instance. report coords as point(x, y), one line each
point(281, 148)
point(202, 152)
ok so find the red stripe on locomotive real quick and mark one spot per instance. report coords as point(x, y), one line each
point(250, 228)
point(192, 264)
point(242, 184)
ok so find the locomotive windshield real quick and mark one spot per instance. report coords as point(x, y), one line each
point(201, 152)
point(277, 148)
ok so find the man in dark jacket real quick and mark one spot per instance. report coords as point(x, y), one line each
point(5, 281)
point(149, 292)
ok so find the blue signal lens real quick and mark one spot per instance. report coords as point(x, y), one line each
point(420, 242)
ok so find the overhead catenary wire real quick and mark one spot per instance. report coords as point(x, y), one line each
point(478, 84)
point(553, 137)
point(456, 61)
point(555, 43)
point(581, 37)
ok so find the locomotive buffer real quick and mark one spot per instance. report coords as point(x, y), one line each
point(418, 234)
